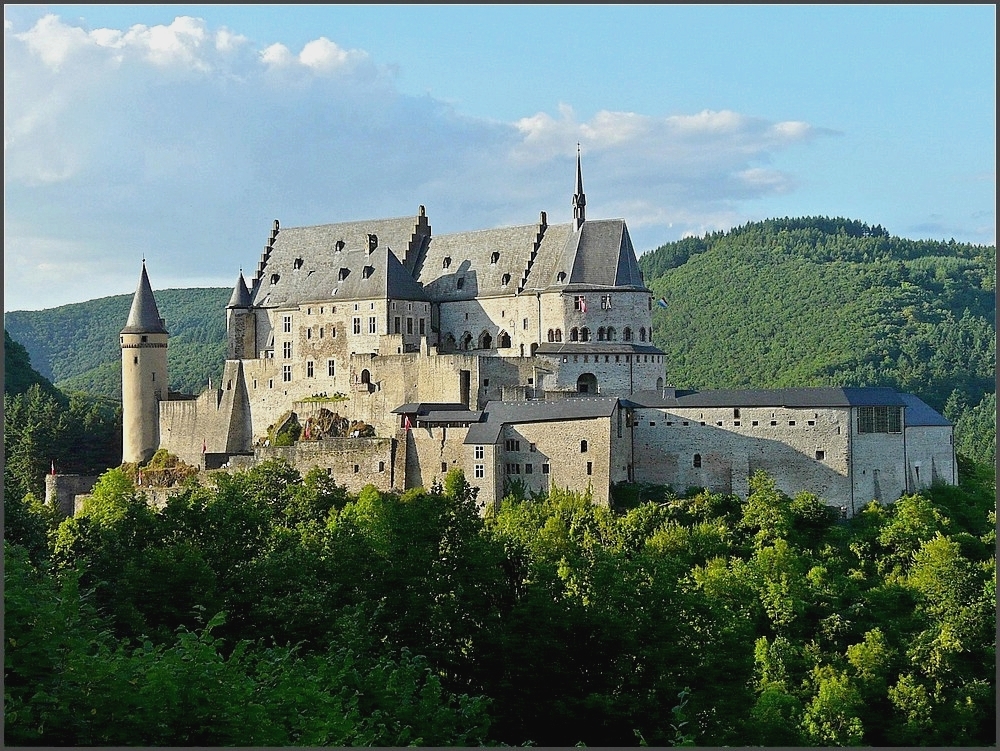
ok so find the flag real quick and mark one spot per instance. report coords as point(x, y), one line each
point(307, 431)
point(662, 302)
point(53, 466)
point(140, 477)
point(406, 422)
point(583, 304)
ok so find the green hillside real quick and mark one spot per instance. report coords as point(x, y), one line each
point(76, 346)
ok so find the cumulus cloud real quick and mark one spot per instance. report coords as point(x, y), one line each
point(182, 143)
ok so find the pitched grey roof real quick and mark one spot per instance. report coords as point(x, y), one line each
point(470, 255)
point(304, 264)
point(241, 295)
point(144, 317)
point(497, 414)
point(792, 397)
point(600, 254)
point(918, 413)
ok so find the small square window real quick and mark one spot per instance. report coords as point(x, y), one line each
point(820, 455)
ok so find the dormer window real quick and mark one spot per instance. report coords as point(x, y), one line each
point(561, 276)
point(339, 246)
point(494, 257)
point(505, 280)
point(367, 271)
point(274, 278)
point(298, 263)
point(342, 275)
point(446, 263)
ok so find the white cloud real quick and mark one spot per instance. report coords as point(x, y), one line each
point(181, 144)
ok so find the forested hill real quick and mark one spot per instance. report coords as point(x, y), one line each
point(76, 346)
point(818, 301)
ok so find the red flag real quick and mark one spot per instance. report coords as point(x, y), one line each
point(406, 422)
point(583, 304)
point(53, 466)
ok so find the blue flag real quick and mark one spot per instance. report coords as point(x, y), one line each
point(662, 302)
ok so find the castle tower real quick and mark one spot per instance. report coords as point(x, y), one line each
point(579, 198)
point(144, 374)
point(240, 325)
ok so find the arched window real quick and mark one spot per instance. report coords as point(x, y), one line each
point(467, 340)
point(583, 446)
point(659, 383)
point(504, 339)
point(611, 333)
point(600, 334)
point(697, 460)
point(586, 384)
point(366, 377)
point(574, 334)
point(552, 335)
point(626, 334)
point(485, 340)
point(534, 346)
point(584, 334)
point(558, 335)
point(449, 341)
point(642, 333)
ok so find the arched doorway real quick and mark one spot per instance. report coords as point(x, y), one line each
point(586, 384)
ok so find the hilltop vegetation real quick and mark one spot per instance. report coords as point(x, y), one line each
point(268, 609)
point(76, 346)
point(831, 302)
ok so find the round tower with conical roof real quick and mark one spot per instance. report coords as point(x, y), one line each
point(240, 325)
point(144, 374)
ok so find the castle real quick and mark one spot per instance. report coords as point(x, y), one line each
point(522, 355)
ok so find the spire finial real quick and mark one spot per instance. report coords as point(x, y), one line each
point(579, 198)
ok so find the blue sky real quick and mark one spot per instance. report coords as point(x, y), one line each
point(177, 133)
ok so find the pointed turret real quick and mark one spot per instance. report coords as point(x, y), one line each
point(144, 317)
point(144, 374)
point(241, 295)
point(579, 198)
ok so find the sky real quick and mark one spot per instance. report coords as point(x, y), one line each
point(178, 133)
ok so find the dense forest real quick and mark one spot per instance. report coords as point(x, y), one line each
point(833, 302)
point(264, 608)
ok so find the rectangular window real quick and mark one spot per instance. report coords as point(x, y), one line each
point(879, 420)
point(590, 468)
point(423, 330)
point(371, 324)
point(320, 332)
point(409, 325)
point(513, 444)
point(820, 455)
point(529, 469)
point(545, 468)
point(524, 324)
point(309, 368)
point(286, 324)
point(444, 466)
point(480, 472)
point(286, 350)
point(330, 368)
point(357, 325)
point(286, 373)
point(395, 325)
point(791, 422)
point(479, 452)
point(810, 423)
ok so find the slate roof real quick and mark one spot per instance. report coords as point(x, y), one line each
point(600, 254)
point(791, 397)
point(471, 255)
point(596, 347)
point(497, 414)
point(144, 317)
point(241, 294)
point(918, 413)
point(425, 408)
point(304, 264)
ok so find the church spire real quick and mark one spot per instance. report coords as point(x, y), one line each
point(579, 198)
